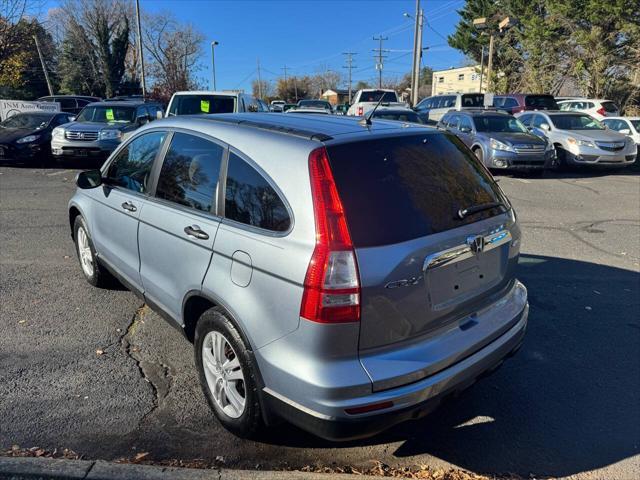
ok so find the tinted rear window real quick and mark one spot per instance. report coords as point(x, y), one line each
point(401, 188)
point(472, 100)
point(194, 104)
point(609, 107)
point(375, 95)
point(541, 102)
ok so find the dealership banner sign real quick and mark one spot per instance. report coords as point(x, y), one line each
point(9, 108)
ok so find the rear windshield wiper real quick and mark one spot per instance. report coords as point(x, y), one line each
point(464, 212)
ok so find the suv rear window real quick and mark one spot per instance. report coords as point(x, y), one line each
point(541, 102)
point(375, 95)
point(609, 107)
point(195, 104)
point(400, 188)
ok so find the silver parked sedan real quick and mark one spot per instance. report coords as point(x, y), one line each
point(343, 277)
point(580, 139)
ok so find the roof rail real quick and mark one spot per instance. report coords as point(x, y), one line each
point(297, 132)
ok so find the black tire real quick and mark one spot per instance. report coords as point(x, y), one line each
point(561, 159)
point(479, 155)
point(249, 423)
point(100, 277)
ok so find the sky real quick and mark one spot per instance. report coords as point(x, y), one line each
point(309, 36)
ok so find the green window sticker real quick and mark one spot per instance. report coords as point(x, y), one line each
point(204, 106)
point(110, 114)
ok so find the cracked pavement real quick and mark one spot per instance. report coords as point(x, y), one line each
point(567, 405)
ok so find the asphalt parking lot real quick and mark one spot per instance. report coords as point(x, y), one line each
point(97, 372)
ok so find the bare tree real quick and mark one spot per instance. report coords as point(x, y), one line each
point(174, 50)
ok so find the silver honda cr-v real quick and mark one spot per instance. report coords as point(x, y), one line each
point(343, 276)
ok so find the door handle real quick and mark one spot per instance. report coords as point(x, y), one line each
point(195, 232)
point(129, 206)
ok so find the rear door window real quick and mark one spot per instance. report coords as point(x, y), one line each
point(465, 122)
point(195, 104)
point(401, 188)
point(609, 107)
point(250, 199)
point(190, 172)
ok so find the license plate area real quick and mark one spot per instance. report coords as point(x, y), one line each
point(81, 153)
point(458, 274)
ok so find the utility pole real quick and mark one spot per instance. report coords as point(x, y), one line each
point(259, 81)
point(417, 52)
point(44, 68)
point(481, 68)
point(144, 85)
point(490, 64)
point(380, 58)
point(349, 65)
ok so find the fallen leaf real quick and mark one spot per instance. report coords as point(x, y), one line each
point(99, 352)
point(140, 456)
point(22, 321)
point(66, 256)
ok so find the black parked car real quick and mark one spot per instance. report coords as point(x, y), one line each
point(26, 137)
point(70, 103)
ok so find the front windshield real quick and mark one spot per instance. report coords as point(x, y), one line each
point(32, 121)
point(576, 122)
point(499, 124)
point(313, 104)
point(107, 114)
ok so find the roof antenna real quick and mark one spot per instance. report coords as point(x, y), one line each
point(366, 120)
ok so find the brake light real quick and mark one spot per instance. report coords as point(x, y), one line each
point(332, 284)
point(601, 111)
point(360, 111)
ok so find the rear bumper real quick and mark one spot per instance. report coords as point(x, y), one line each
point(409, 401)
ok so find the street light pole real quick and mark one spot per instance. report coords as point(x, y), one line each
point(490, 64)
point(416, 46)
point(481, 67)
point(213, 63)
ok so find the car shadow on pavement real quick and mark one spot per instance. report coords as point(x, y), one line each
point(568, 402)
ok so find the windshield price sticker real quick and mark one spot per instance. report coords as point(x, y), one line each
point(110, 114)
point(204, 106)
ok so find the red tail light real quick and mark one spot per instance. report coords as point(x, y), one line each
point(601, 111)
point(360, 111)
point(332, 284)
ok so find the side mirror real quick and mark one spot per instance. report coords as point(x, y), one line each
point(89, 179)
point(465, 129)
point(625, 131)
point(545, 127)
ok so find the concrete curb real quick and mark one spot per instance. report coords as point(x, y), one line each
point(19, 468)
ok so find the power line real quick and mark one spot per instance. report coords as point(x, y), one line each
point(380, 58)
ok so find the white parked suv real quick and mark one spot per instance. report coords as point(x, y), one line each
point(596, 107)
point(367, 98)
point(629, 126)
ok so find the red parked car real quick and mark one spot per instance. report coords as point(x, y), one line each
point(519, 102)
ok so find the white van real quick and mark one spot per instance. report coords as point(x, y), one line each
point(196, 102)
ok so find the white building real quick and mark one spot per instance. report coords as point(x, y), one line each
point(458, 80)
